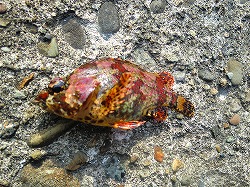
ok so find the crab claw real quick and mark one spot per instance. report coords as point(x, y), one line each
point(41, 98)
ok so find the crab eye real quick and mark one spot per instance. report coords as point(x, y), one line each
point(56, 85)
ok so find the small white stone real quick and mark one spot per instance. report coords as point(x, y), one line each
point(192, 33)
point(230, 75)
point(226, 34)
point(5, 49)
point(206, 87)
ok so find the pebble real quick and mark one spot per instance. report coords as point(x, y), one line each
point(18, 94)
point(188, 145)
point(171, 57)
point(235, 68)
point(179, 76)
point(230, 139)
point(218, 148)
point(8, 129)
point(48, 174)
point(226, 125)
point(27, 3)
point(243, 1)
point(3, 146)
point(47, 136)
point(235, 105)
point(167, 171)
point(192, 33)
point(223, 82)
point(214, 91)
point(114, 169)
point(134, 158)
point(74, 34)
point(144, 173)
point(108, 18)
point(226, 34)
point(37, 154)
point(1, 105)
point(48, 49)
point(235, 120)
point(186, 180)
point(177, 165)
point(216, 132)
point(179, 116)
point(32, 28)
point(206, 75)
point(173, 179)
point(80, 158)
point(230, 75)
point(146, 162)
point(142, 57)
point(5, 49)
point(106, 145)
point(207, 87)
point(247, 97)
point(158, 154)
point(121, 135)
point(4, 183)
point(88, 181)
point(3, 8)
point(92, 142)
point(248, 118)
point(158, 6)
point(201, 183)
point(4, 22)
point(47, 36)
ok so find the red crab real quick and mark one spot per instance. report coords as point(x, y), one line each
point(114, 93)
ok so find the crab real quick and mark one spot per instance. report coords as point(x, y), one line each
point(114, 93)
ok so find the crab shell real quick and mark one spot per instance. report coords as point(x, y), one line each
point(115, 93)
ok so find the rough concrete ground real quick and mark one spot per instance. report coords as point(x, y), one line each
point(194, 40)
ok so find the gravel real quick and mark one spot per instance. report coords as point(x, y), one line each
point(194, 40)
